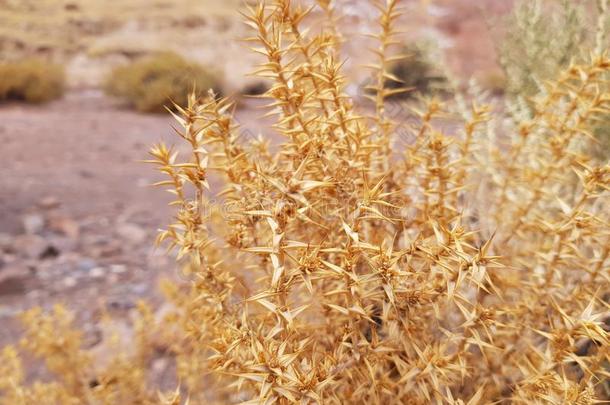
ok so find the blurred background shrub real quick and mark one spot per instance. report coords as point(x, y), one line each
point(416, 71)
point(151, 83)
point(541, 39)
point(31, 81)
point(493, 81)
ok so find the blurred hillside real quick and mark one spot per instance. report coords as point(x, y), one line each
point(92, 36)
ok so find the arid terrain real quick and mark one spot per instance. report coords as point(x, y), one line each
point(77, 214)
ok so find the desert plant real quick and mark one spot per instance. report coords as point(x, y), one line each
point(493, 82)
point(541, 39)
point(154, 82)
point(338, 269)
point(31, 80)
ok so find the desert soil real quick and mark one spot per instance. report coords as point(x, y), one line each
point(78, 216)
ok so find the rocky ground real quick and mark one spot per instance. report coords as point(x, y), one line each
point(78, 216)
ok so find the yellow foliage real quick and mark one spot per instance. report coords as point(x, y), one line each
point(347, 267)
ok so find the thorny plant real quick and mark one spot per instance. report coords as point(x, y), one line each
point(464, 268)
point(541, 39)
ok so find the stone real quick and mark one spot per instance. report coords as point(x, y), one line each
point(48, 202)
point(6, 242)
point(109, 250)
point(13, 280)
point(131, 233)
point(139, 288)
point(120, 304)
point(50, 252)
point(33, 223)
point(30, 246)
point(63, 244)
point(64, 226)
point(34, 295)
point(86, 264)
point(118, 268)
point(8, 312)
point(69, 282)
point(159, 365)
point(97, 272)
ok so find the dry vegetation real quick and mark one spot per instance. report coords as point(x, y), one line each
point(154, 82)
point(64, 27)
point(415, 73)
point(90, 38)
point(31, 80)
point(540, 42)
point(542, 39)
point(461, 268)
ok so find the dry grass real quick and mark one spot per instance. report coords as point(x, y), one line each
point(31, 80)
point(152, 83)
point(459, 269)
point(90, 38)
point(65, 27)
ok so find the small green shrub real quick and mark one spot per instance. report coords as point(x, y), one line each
point(31, 80)
point(152, 83)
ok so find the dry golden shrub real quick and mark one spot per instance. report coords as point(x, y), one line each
point(156, 81)
point(31, 80)
point(462, 268)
